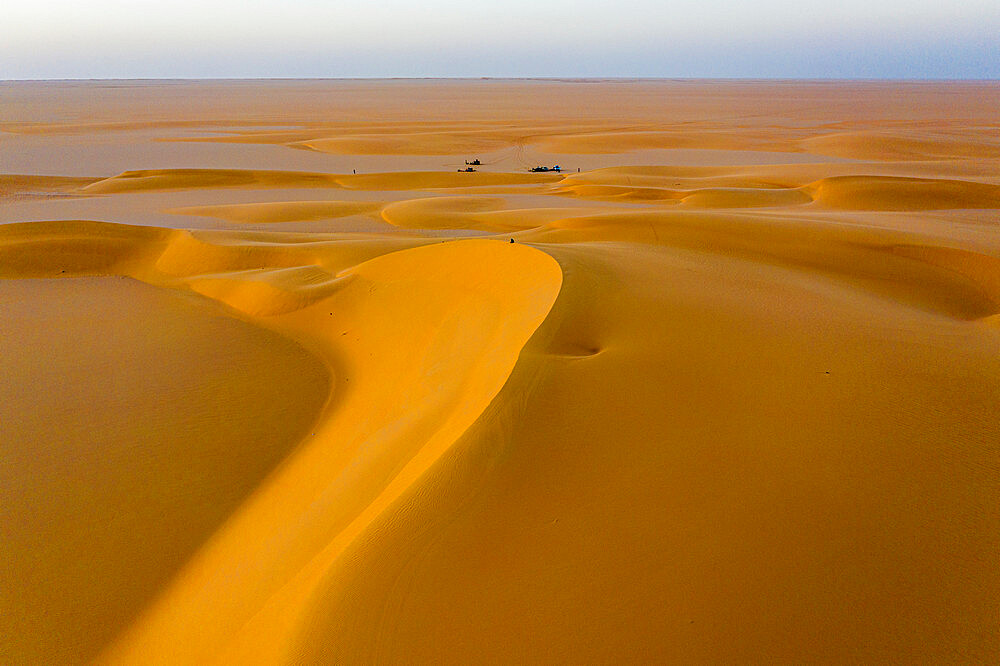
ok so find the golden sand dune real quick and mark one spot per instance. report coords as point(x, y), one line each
point(446, 140)
point(186, 179)
point(727, 190)
point(955, 282)
point(909, 146)
point(49, 249)
point(776, 175)
point(420, 180)
point(281, 211)
point(181, 179)
point(618, 142)
point(887, 193)
point(135, 420)
point(407, 144)
point(85, 128)
point(480, 300)
point(267, 292)
point(614, 515)
point(14, 187)
point(470, 212)
point(652, 412)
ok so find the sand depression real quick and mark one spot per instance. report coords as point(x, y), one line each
point(276, 386)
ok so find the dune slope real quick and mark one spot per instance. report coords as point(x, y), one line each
point(610, 515)
point(135, 419)
point(402, 396)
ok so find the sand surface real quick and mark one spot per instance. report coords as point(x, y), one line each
point(276, 386)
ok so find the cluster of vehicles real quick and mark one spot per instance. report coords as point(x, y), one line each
point(471, 166)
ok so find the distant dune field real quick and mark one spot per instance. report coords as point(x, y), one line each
point(281, 383)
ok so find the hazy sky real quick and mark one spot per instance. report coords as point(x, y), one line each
point(641, 38)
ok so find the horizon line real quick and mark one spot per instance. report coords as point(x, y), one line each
point(556, 79)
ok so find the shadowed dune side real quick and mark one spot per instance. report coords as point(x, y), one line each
point(981, 269)
point(135, 420)
point(49, 249)
point(152, 254)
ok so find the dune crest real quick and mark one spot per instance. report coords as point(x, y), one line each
point(374, 441)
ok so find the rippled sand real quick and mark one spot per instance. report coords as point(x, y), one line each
point(280, 384)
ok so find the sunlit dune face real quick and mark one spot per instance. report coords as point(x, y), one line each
point(283, 382)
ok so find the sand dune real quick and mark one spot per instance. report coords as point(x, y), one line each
point(49, 249)
point(140, 418)
point(887, 193)
point(848, 192)
point(443, 375)
point(688, 137)
point(685, 545)
point(15, 187)
point(911, 146)
point(181, 179)
point(479, 213)
point(407, 144)
point(281, 211)
point(650, 412)
point(184, 179)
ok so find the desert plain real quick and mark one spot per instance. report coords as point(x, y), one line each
point(280, 383)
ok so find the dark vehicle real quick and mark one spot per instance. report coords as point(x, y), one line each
point(474, 162)
point(466, 170)
point(543, 169)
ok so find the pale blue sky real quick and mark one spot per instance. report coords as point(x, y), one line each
point(516, 38)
